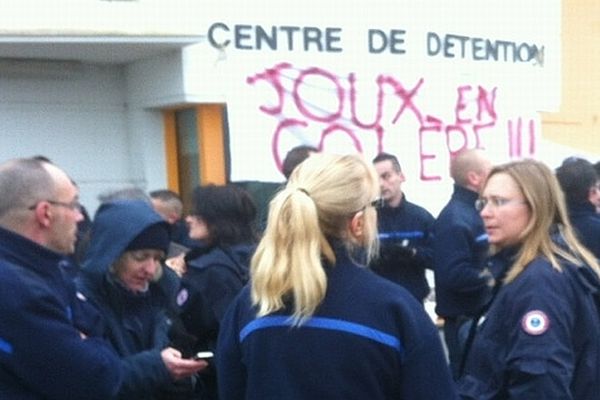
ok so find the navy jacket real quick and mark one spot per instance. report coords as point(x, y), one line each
point(42, 354)
point(369, 339)
point(405, 234)
point(539, 339)
point(135, 324)
point(462, 283)
point(214, 276)
point(586, 222)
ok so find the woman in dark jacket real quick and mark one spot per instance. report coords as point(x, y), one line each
point(119, 276)
point(539, 338)
point(314, 324)
point(222, 218)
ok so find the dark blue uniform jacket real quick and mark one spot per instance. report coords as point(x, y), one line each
point(460, 249)
point(215, 275)
point(369, 339)
point(539, 339)
point(42, 354)
point(405, 234)
point(586, 222)
point(135, 324)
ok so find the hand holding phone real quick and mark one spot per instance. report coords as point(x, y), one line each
point(203, 355)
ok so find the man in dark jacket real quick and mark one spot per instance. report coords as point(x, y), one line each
point(462, 282)
point(579, 182)
point(405, 232)
point(46, 349)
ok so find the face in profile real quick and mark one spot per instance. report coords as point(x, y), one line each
point(137, 268)
point(65, 214)
point(505, 212)
point(198, 229)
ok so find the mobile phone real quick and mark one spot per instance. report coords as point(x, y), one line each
point(203, 355)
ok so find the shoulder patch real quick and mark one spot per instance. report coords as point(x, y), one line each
point(182, 297)
point(535, 322)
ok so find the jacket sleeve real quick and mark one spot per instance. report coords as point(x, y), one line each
point(46, 351)
point(230, 368)
point(541, 365)
point(144, 374)
point(425, 351)
point(455, 259)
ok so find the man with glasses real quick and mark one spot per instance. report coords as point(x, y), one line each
point(404, 232)
point(462, 282)
point(45, 349)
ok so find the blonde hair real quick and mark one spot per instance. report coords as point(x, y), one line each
point(549, 217)
point(316, 206)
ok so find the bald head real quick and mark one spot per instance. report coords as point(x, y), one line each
point(23, 182)
point(469, 168)
point(39, 202)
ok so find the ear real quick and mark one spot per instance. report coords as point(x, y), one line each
point(357, 226)
point(475, 180)
point(43, 214)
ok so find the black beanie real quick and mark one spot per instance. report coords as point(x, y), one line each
point(153, 237)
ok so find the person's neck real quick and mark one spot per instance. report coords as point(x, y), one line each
point(396, 201)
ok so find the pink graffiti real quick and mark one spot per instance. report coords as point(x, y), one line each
point(516, 138)
point(474, 114)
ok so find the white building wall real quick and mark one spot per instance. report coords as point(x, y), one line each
point(152, 84)
point(79, 120)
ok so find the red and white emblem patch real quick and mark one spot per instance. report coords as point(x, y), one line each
point(535, 322)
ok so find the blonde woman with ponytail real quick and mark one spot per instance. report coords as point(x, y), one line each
point(540, 337)
point(314, 323)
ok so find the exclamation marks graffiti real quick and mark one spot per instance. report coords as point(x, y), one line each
point(521, 138)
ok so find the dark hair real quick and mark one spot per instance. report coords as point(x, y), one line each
point(228, 212)
point(294, 157)
point(576, 176)
point(385, 157)
point(597, 167)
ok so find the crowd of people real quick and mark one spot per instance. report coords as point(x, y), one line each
point(144, 302)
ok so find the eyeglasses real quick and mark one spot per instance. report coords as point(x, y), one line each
point(495, 202)
point(75, 205)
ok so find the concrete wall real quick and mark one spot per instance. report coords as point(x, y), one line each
point(77, 119)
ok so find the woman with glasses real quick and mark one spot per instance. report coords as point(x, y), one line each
point(539, 338)
point(316, 324)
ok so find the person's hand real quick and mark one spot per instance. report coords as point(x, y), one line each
point(177, 264)
point(178, 367)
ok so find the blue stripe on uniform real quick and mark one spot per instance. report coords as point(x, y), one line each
point(401, 235)
point(5, 346)
point(325, 323)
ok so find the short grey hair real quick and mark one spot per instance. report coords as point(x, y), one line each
point(23, 183)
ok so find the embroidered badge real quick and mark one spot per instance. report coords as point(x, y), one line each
point(535, 322)
point(182, 297)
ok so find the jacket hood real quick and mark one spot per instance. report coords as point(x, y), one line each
point(115, 225)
